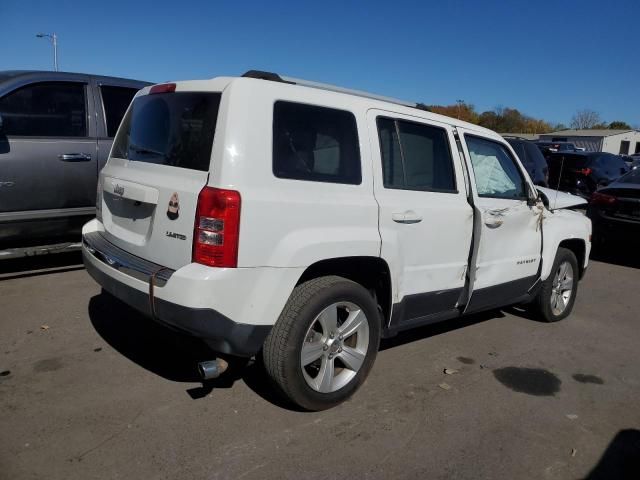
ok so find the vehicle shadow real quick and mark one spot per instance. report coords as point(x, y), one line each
point(427, 331)
point(40, 265)
point(621, 459)
point(619, 254)
point(175, 356)
point(172, 355)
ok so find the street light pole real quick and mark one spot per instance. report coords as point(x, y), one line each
point(54, 41)
point(460, 103)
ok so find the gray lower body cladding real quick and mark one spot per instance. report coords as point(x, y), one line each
point(220, 332)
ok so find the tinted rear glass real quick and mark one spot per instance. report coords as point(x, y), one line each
point(315, 143)
point(534, 154)
point(51, 109)
point(174, 129)
point(613, 162)
point(115, 101)
point(571, 160)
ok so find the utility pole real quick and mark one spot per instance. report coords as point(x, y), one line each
point(460, 103)
point(54, 41)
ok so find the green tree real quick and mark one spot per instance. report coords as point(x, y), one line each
point(463, 111)
point(619, 125)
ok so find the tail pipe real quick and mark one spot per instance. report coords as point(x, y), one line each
point(212, 368)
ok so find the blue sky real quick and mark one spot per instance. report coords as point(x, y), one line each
point(546, 58)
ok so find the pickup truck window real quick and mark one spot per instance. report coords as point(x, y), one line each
point(51, 109)
point(318, 144)
point(415, 156)
point(115, 101)
point(496, 172)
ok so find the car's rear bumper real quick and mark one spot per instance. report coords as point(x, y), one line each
point(613, 228)
point(221, 333)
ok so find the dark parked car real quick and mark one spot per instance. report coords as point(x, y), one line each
point(615, 210)
point(56, 131)
point(550, 147)
point(581, 173)
point(532, 159)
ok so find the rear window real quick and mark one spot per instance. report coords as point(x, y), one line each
point(534, 155)
point(613, 162)
point(571, 160)
point(315, 143)
point(115, 101)
point(174, 129)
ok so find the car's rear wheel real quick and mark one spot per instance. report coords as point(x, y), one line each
point(558, 293)
point(324, 343)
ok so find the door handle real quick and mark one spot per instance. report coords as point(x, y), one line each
point(494, 223)
point(74, 157)
point(406, 217)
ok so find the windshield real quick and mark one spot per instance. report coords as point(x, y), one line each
point(632, 177)
point(175, 129)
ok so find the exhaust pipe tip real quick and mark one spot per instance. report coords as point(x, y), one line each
point(212, 368)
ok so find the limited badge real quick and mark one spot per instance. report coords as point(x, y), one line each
point(173, 211)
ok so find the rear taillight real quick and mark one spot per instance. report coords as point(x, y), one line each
point(602, 199)
point(217, 228)
point(584, 171)
point(163, 88)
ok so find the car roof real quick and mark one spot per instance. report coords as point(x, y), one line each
point(518, 139)
point(24, 76)
point(369, 99)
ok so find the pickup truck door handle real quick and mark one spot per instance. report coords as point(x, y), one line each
point(406, 217)
point(74, 157)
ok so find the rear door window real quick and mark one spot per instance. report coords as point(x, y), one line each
point(174, 129)
point(115, 101)
point(51, 109)
point(415, 156)
point(315, 143)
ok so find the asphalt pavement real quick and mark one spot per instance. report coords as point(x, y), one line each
point(91, 389)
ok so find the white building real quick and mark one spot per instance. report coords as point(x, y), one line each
point(623, 142)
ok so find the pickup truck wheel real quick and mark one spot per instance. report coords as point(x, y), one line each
point(558, 294)
point(324, 343)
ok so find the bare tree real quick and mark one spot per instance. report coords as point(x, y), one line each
point(585, 119)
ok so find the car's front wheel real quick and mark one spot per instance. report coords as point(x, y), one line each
point(558, 293)
point(324, 343)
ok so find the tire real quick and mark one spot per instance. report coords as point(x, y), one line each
point(553, 292)
point(306, 325)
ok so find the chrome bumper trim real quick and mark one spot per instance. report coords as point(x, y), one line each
point(124, 262)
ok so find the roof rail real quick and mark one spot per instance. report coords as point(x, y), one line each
point(262, 75)
point(274, 77)
point(516, 137)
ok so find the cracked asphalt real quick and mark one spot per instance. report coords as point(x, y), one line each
point(89, 389)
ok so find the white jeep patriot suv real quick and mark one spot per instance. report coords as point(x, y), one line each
point(304, 222)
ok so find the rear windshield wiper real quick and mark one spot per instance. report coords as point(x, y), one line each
point(145, 150)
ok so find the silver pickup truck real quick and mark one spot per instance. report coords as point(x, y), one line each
point(56, 131)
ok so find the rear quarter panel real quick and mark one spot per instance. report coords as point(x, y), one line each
point(284, 222)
